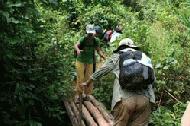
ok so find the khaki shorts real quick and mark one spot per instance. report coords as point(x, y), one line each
point(134, 111)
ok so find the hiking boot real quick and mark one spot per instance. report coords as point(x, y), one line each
point(77, 99)
point(86, 98)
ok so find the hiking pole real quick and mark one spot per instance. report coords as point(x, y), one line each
point(80, 109)
point(94, 61)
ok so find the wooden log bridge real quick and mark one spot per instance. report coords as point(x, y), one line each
point(89, 113)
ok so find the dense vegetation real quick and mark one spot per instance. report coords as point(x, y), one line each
point(37, 63)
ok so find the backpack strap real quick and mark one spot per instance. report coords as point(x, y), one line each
point(94, 56)
point(132, 54)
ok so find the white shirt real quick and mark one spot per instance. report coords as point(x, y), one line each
point(114, 36)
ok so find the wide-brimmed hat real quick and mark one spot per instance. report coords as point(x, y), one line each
point(124, 44)
point(128, 42)
point(90, 29)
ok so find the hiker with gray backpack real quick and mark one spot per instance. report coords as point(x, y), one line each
point(133, 85)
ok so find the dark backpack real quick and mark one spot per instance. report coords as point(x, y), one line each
point(107, 36)
point(134, 75)
point(82, 46)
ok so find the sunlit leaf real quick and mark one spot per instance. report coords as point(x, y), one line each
point(166, 67)
point(158, 65)
point(16, 5)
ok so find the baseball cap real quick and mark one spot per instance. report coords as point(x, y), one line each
point(90, 29)
point(98, 29)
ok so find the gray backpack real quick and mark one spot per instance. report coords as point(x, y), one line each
point(134, 75)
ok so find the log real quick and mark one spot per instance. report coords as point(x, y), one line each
point(71, 114)
point(76, 112)
point(80, 107)
point(93, 113)
point(96, 114)
point(86, 115)
point(102, 109)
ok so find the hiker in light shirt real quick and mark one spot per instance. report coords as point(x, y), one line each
point(129, 107)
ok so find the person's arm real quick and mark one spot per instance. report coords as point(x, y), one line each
point(100, 53)
point(185, 120)
point(78, 44)
point(108, 66)
point(98, 49)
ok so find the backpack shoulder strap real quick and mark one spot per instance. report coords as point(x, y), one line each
point(137, 55)
point(86, 39)
point(129, 54)
point(83, 44)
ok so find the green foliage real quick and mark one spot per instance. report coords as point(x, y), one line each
point(103, 89)
point(170, 117)
point(32, 67)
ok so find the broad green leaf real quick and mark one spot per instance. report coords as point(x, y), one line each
point(13, 20)
point(16, 5)
point(166, 67)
